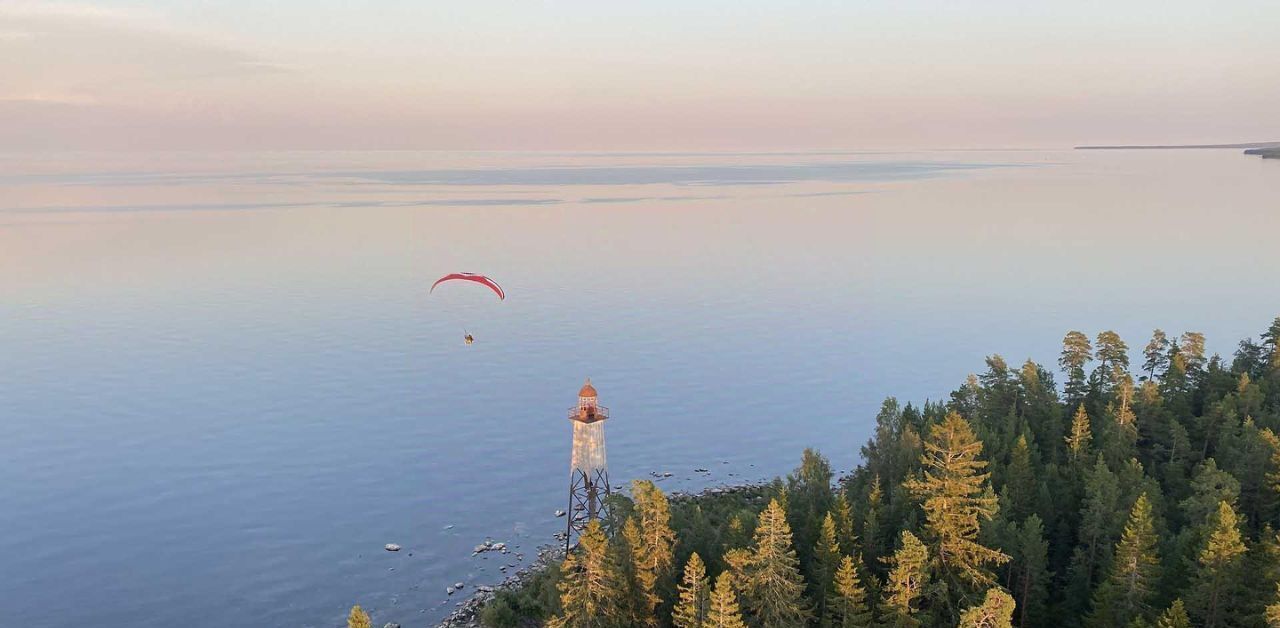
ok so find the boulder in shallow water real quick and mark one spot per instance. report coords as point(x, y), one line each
point(559, 513)
point(458, 585)
point(391, 625)
point(391, 547)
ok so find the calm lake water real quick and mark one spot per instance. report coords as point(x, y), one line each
point(223, 385)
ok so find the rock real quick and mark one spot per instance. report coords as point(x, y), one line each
point(559, 513)
point(391, 547)
point(458, 585)
point(391, 625)
point(449, 590)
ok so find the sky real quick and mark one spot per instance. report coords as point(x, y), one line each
point(656, 75)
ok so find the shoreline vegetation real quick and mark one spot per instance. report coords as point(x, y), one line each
point(1132, 495)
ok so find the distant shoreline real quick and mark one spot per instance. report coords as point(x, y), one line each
point(1265, 153)
point(1249, 145)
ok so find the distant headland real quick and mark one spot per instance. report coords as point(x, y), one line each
point(1249, 145)
point(1266, 150)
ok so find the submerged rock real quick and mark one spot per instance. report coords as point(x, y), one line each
point(391, 547)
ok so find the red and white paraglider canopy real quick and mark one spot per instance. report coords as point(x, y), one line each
point(480, 279)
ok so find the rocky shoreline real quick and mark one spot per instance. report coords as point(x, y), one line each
point(467, 613)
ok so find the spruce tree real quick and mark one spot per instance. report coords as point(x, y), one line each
point(872, 536)
point(591, 589)
point(908, 577)
point(695, 595)
point(1020, 487)
point(956, 498)
point(826, 560)
point(1127, 593)
point(1219, 568)
point(843, 516)
point(1030, 572)
point(847, 604)
point(723, 611)
point(773, 592)
point(1080, 437)
point(653, 554)
point(1174, 617)
point(358, 618)
point(996, 611)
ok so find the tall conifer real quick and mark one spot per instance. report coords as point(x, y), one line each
point(724, 611)
point(908, 577)
point(847, 604)
point(1080, 437)
point(1127, 593)
point(695, 595)
point(1219, 568)
point(826, 560)
point(956, 498)
point(358, 618)
point(773, 592)
point(996, 611)
point(591, 589)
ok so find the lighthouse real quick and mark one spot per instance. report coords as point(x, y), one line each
point(588, 468)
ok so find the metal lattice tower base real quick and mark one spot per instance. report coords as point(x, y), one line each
point(587, 502)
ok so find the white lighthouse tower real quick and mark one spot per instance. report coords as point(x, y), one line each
point(588, 467)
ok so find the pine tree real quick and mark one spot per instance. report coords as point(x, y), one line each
point(847, 606)
point(653, 553)
point(1126, 595)
point(1076, 352)
point(1191, 350)
point(996, 611)
point(956, 498)
point(1113, 360)
point(723, 611)
point(591, 588)
point(826, 560)
point(1080, 437)
point(1219, 572)
point(358, 618)
point(1156, 353)
point(773, 592)
point(1174, 617)
point(908, 576)
point(695, 595)
point(1271, 341)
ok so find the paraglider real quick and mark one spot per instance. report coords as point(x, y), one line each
point(467, 338)
point(480, 279)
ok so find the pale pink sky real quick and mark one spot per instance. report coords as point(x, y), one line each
point(655, 76)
